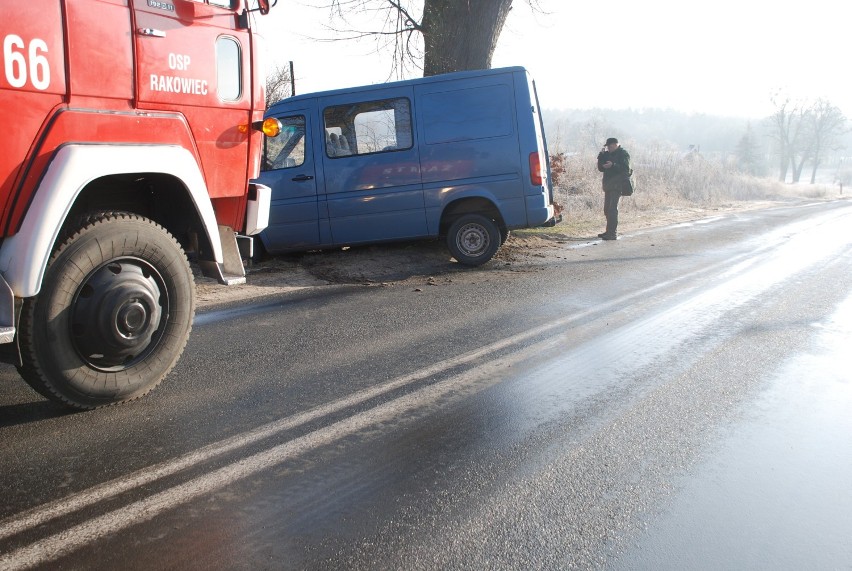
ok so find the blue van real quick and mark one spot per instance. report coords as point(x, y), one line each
point(461, 156)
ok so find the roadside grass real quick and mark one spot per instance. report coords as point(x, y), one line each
point(669, 185)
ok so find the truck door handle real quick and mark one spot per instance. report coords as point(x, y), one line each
point(303, 178)
point(151, 32)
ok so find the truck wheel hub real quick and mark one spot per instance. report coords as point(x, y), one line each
point(117, 314)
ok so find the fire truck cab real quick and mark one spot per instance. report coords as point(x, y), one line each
point(134, 127)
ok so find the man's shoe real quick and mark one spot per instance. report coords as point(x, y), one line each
point(609, 236)
point(602, 234)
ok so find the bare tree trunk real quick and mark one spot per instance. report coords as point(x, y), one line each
point(827, 123)
point(814, 171)
point(797, 169)
point(783, 166)
point(461, 34)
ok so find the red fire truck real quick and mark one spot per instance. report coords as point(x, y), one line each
point(132, 130)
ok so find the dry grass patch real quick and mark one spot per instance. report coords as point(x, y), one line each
point(670, 187)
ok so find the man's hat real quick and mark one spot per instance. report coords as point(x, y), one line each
point(611, 141)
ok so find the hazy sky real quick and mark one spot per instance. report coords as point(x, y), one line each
point(724, 57)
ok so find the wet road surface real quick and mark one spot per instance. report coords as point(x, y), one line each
point(677, 399)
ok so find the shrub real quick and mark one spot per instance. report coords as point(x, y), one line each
point(665, 178)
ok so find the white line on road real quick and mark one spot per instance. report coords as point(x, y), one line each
point(65, 541)
point(107, 490)
point(102, 492)
point(91, 530)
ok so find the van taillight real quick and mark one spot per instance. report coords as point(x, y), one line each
point(535, 170)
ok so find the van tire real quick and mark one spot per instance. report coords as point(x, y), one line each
point(473, 239)
point(113, 315)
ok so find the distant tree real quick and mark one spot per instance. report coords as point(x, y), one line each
point(804, 132)
point(595, 131)
point(826, 124)
point(445, 35)
point(785, 128)
point(278, 84)
point(749, 155)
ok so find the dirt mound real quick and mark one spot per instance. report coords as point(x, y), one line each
point(379, 264)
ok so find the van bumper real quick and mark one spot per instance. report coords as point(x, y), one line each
point(539, 214)
point(556, 219)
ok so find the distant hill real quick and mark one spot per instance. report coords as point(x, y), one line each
point(576, 130)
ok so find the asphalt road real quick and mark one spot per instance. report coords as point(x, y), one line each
point(676, 399)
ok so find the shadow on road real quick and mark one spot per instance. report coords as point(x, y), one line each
point(14, 414)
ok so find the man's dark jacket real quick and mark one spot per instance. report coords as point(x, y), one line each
point(614, 177)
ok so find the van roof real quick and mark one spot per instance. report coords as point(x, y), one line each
point(289, 101)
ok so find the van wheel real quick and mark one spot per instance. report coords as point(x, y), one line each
point(473, 239)
point(113, 315)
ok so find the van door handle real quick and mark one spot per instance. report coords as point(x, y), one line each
point(303, 178)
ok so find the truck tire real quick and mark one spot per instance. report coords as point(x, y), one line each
point(473, 239)
point(113, 315)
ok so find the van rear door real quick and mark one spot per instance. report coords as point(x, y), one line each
point(539, 194)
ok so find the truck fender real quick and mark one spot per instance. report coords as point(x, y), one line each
point(24, 256)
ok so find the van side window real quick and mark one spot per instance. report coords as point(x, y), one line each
point(368, 127)
point(287, 150)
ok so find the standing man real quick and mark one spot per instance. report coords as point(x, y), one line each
point(614, 163)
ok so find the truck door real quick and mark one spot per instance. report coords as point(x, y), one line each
point(288, 169)
point(193, 59)
point(372, 167)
